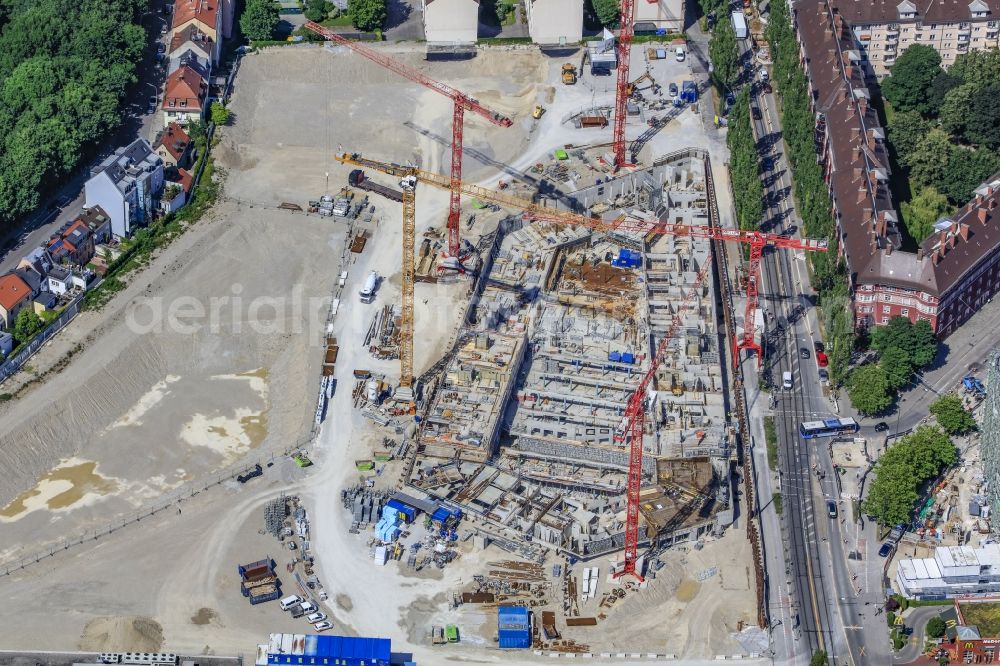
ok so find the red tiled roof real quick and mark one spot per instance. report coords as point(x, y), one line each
point(13, 291)
point(191, 34)
point(184, 90)
point(859, 164)
point(933, 11)
point(205, 12)
point(184, 179)
point(174, 139)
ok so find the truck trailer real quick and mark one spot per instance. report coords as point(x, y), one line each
point(739, 25)
point(358, 179)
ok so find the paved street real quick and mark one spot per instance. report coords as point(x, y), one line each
point(819, 600)
point(68, 200)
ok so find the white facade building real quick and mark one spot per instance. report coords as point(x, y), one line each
point(667, 14)
point(451, 21)
point(554, 21)
point(953, 571)
point(126, 185)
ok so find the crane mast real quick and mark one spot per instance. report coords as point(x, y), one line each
point(625, 32)
point(461, 102)
point(633, 424)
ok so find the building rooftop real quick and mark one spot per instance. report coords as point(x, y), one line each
point(13, 291)
point(173, 139)
point(129, 163)
point(894, 11)
point(195, 36)
point(205, 12)
point(184, 90)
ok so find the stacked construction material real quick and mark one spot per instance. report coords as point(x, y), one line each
point(258, 581)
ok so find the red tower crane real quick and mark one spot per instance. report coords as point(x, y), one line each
point(462, 102)
point(633, 422)
point(626, 16)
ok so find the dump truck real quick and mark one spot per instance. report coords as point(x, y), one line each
point(358, 179)
point(568, 74)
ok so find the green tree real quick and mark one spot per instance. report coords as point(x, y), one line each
point(929, 162)
point(259, 19)
point(917, 340)
point(908, 87)
point(897, 366)
point(903, 469)
point(920, 213)
point(936, 627)
point(954, 107)
point(967, 169)
point(951, 415)
point(978, 68)
point(606, 11)
point(219, 113)
point(868, 388)
point(367, 15)
point(907, 131)
point(942, 84)
point(744, 165)
point(983, 125)
point(819, 658)
point(26, 325)
point(724, 55)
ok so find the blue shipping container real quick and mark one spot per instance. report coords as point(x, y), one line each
point(614, 356)
point(408, 513)
point(513, 627)
point(349, 651)
point(628, 357)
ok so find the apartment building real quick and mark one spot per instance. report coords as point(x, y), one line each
point(885, 28)
point(956, 269)
point(126, 185)
point(555, 22)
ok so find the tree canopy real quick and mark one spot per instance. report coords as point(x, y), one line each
point(744, 165)
point(819, 658)
point(367, 15)
point(64, 69)
point(868, 387)
point(724, 55)
point(903, 469)
point(922, 211)
point(259, 19)
point(917, 340)
point(936, 627)
point(951, 415)
point(26, 325)
point(908, 86)
point(606, 11)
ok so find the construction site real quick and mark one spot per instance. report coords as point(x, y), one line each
point(521, 374)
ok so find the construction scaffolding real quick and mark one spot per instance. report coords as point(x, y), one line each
point(990, 438)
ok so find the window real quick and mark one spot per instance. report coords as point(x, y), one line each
point(886, 309)
point(904, 312)
point(885, 320)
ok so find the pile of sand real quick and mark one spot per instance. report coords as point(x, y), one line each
point(122, 633)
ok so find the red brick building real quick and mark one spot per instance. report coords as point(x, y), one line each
point(957, 269)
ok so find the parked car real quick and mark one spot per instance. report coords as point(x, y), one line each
point(831, 508)
point(767, 87)
point(881, 426)
point(161, 47)
point(803, 352)
point(322, 626)
point(672, 88)
point(818, 347)
point(316, 617)
point(824, 376)
point(755, 112)
point(885, 549)
point(821, 360)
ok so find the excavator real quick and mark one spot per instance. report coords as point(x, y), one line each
point(632, 86)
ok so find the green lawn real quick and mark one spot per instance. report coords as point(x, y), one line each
point(771, 435)
point(340, 22)
point(986, 616)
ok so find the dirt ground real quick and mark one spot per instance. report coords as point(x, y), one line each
point(193, 402)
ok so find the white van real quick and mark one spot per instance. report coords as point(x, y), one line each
point(288, 602)
point(680, 54)
point(786, 380)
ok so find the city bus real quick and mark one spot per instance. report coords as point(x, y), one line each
point(831, 427)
